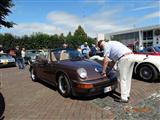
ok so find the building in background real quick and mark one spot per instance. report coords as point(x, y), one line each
point(100, 36)
point(138, 37)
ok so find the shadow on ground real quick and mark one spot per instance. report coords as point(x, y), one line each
point(135, 77)
point(112, 94)
point(48, 85)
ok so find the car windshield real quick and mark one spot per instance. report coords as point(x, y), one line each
point(67, 54)
point(33, 52)
point(5, 56)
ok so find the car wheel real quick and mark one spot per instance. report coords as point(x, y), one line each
point(33, 75)
point(147, 72)
point(64, 86)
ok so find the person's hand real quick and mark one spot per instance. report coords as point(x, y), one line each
point(103, 74)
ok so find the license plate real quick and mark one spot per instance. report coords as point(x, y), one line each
point(107, 89)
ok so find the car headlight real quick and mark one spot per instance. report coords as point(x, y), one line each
point(82, 73)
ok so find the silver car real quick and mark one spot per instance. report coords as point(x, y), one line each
point(6, 60)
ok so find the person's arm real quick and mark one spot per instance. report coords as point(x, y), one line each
point(105, 64)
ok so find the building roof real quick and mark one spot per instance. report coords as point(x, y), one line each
point(136, 30)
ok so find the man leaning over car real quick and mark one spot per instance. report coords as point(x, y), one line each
point(123, 57)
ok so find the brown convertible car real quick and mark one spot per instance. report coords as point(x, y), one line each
point(71, 73)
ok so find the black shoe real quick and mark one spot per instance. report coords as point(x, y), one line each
point(128, 98)
point(121, 101)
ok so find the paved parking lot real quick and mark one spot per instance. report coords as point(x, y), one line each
point(27, 100)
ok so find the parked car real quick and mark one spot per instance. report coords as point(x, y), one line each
point(6, 60)
point(150, 50)
point(71, 73)
point(147, 67)
point(32, 54)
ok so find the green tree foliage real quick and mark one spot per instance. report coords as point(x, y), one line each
point(79, 37)
point(42, 40)
point(69, 39)
point(5, 6)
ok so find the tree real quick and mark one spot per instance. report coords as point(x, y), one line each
point(5, 6)
point(69, 39)
point(79, 37)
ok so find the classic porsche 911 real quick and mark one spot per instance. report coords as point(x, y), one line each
point(71, 73)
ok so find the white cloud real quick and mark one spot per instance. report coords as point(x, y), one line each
point(63, 18)
point(152, 15)
point(29, 28)
point(63, 22)
point(143, 8)
point(98, 22)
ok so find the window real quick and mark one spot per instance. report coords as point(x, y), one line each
point(148, 35)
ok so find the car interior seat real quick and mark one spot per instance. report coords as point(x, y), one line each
point(53, 57)
point(64, 55)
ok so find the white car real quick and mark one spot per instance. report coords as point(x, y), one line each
point(147, 67)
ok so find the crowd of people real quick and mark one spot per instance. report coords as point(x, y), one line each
point(87, 51)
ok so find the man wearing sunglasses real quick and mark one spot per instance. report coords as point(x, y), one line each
point(123, 57)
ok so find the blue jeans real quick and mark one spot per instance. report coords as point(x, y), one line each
point(20, 63)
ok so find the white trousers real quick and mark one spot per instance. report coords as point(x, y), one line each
point(124, 74)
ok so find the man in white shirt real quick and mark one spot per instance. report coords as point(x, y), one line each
point(122, 56)
point(23, 53)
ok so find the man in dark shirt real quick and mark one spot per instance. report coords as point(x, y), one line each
point(19, 59)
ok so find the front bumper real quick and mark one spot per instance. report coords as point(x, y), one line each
point(7, 64)
point(100, 86)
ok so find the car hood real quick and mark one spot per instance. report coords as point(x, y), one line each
point(80, 63)
point(93, 68)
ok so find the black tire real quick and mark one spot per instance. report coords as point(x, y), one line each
point(33, 75)
point(147, 72)
point(64, 86)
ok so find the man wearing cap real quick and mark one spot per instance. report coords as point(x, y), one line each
point(123, 57)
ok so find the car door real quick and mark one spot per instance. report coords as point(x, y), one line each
point(49, 69)
point(41, 63)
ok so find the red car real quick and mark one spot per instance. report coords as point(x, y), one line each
point(71, 73)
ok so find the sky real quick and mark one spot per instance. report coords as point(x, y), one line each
point(95, 16)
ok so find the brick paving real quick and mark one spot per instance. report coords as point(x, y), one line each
point(27, 100)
